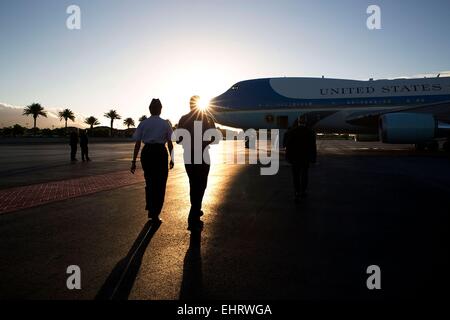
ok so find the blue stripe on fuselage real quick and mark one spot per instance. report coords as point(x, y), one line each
point(259, 95)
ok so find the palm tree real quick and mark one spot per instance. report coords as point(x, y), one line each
point(113, 115)
point(92, 121)
point(36, 110)
point(143, 118)
point(128, 122)
point(66, 114)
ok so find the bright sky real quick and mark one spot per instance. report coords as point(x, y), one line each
point(128, 52)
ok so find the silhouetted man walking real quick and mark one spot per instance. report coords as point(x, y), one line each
point(300, 142)
point(197, 172)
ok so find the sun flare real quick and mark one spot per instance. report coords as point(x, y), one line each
point(202, 104)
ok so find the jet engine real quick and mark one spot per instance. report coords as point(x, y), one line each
point(407, 127)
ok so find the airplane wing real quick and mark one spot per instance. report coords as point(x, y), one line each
point(440, 110)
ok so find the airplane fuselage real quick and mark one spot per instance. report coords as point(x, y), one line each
point(328, 103)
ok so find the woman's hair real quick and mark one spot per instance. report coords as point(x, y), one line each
point(155, 107)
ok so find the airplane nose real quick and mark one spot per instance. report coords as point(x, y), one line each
point(214, 105)
point(213, 101)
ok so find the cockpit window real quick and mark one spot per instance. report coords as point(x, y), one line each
point(235, 87)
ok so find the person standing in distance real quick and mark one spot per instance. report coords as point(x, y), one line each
point(197, 172)
point(301, 150)
point(73, 142)
point(84, 141)
point(155, 133)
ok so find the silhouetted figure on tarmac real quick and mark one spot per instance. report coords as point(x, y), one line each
point(300, 142)
point(73, 142)
point(197, 172)
point(84, 146)
point(155, 133)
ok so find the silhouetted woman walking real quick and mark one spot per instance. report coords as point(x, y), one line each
point(155, 133)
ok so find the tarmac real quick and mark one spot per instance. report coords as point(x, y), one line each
point(368, 204)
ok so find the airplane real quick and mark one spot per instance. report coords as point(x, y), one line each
point(407, 110)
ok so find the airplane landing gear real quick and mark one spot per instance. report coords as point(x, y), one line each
point(429, 146)
point(419, 146)
point(247, 143)
point(433, 146)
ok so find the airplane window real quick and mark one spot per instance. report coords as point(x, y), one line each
point(234, 87)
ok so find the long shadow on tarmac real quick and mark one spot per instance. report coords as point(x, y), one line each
point(389, 211)
point(191, 286)
point(119, 283)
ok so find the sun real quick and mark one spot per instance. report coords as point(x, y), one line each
point(202, 104)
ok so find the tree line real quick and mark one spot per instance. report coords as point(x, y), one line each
point(36, 110)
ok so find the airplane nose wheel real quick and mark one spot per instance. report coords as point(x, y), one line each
point(247, 143)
